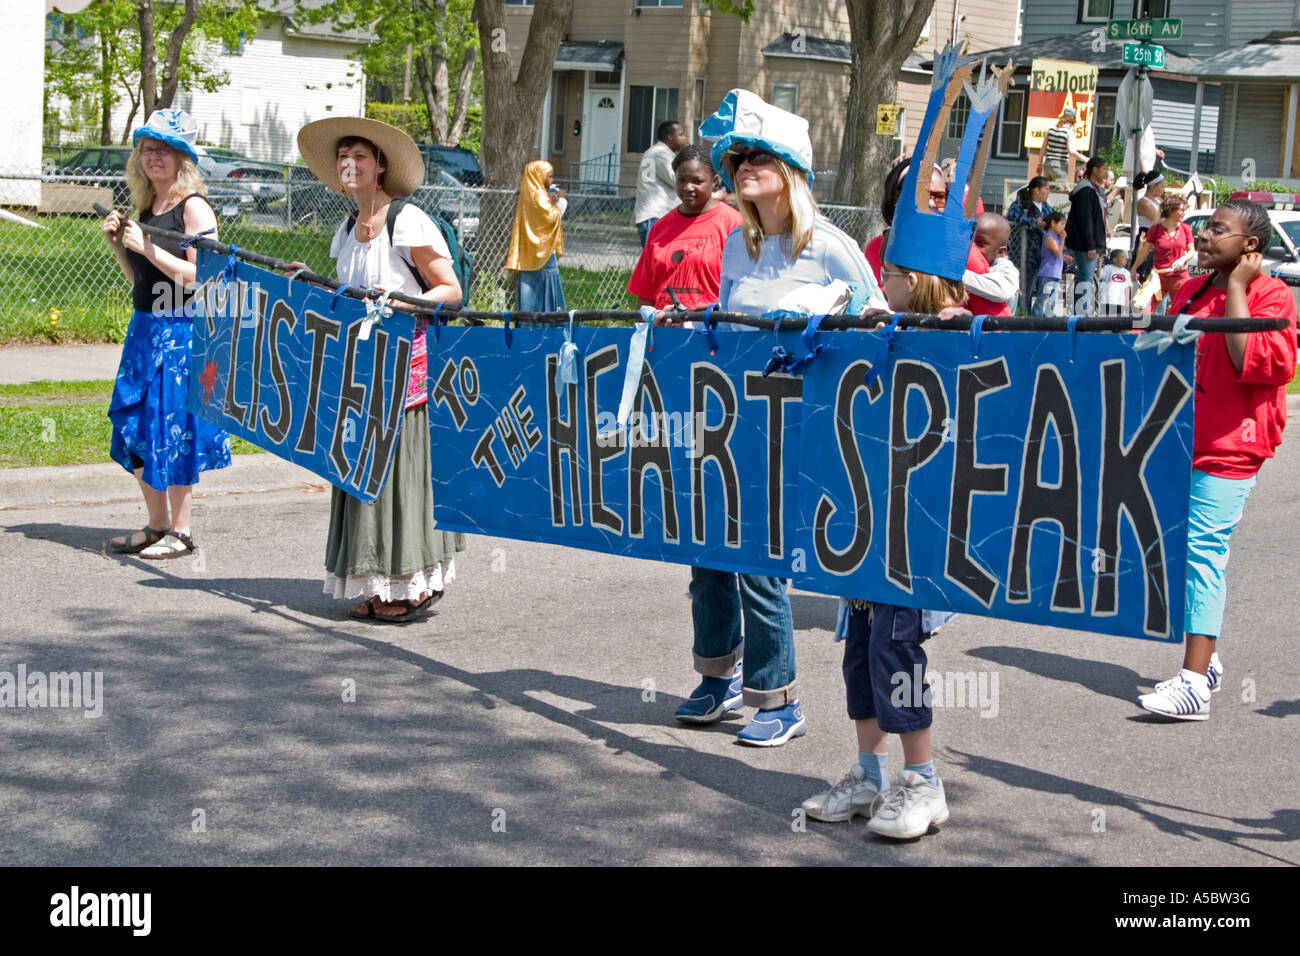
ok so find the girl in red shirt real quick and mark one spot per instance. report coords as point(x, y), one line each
point(1172, 240)
point(684, 249)
point(1241, 380)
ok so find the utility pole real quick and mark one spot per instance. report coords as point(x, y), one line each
point(1139, 13)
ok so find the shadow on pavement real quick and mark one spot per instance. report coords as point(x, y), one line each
point(1284, 825)
point(1100, 677)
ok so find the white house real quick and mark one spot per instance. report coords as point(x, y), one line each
point(286, 75)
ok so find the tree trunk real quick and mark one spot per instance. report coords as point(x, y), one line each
point(105, 91)
point(172, 65)
point(437, 118)
point(883, 33)
point(148, 54)
point(462, 96)
point(512, 107)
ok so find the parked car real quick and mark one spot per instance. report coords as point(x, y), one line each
point(1282, 257)
point(263, 181)
point(106, 166)
point(456, 160)
point(310, 199)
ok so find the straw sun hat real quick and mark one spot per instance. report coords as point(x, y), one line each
point(318, 143)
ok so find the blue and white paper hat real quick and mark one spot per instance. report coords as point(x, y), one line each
point(939, 242)
point(176, 128)
point(746, 119)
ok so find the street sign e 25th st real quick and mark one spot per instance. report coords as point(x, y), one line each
point(1144, 54)
point(1167, 29)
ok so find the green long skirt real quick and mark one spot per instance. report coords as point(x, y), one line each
point(391, 548)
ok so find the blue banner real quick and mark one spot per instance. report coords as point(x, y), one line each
point(299, 372)
point(1039, 477)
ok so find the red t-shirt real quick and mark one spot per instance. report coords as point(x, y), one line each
point(1169, 246)
point(977, 304)
point(684, 253)
point(1239, 414)
point(875, 253)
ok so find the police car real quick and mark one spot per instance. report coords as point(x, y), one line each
point(1282, 257)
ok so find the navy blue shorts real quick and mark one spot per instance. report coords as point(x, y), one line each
point(884, 668)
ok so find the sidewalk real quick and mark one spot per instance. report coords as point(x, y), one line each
point(74, 363)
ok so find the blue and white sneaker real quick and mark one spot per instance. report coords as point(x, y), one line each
point(713, 698)
point(772, 728)
point(1180, 698)
point(1214, 676)
point(1215, 673)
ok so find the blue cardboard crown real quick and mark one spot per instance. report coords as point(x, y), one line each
point(939, 242)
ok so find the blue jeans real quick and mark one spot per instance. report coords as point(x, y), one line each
point(719, 600)
point(643, 229)
point(1084, 270)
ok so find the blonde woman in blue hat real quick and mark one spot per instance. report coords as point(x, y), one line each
point(154, 434)
point(783, 256)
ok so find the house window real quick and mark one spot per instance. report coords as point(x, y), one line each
point(648, 107)
point(1103, 124)
point(786, 96)
point(1094, 11)
point(1011, 129)
point(613, 78)
point(233, 49)
point(658, 3)
point(519, 3)
point(957, 117)
point(559, 98)
point(900, 137)
point(1158, 9)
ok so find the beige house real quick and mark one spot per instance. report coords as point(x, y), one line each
point(627, 65)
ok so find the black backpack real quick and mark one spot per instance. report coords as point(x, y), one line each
point(461, 263)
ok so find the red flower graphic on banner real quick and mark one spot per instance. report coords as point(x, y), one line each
point(209, 380)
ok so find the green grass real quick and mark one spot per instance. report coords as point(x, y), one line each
point(61, 283)
point(61, 423)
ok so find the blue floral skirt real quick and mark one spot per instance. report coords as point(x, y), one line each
point(153, 428)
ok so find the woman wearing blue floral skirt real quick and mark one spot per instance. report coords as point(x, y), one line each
point(154, 434)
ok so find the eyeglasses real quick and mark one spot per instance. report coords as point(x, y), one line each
point(886, 273)
point(155, 150)
point(1220, 231)
point(754, 157)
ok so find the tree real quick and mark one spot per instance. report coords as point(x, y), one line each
point(113, 58)
point(437, 35)
point(883, 33)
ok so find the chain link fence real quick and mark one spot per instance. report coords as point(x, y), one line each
point(59, 282)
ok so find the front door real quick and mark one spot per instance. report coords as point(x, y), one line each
point(601, 122)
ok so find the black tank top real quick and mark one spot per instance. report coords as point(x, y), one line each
point(153, 291)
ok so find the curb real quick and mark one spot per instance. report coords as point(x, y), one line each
point(28, 488)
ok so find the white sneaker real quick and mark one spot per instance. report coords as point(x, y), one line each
point(849, 798)
point(1214, 676)
point(1180, 697)
point(905, 812)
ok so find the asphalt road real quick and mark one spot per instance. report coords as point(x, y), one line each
point(530, 720)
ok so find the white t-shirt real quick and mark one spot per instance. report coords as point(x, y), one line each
point(1116, 285)
point(377, 263)
point(656, 184)
point(754, 286)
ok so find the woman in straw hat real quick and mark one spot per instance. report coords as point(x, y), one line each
point(388, 553)
point(537, 239)
point(154, 434)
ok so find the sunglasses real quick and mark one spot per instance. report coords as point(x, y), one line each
point(755, 157)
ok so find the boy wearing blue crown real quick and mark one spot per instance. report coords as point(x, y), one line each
point(884, 659)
